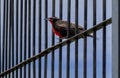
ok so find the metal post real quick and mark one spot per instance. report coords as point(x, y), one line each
point(68, 44)
point(104, 41)
point(29, 36)
point(46, 38)
point(115, 38)
point(0, 36)
point(25, 32)
point(94, 39)
point(12, 31)
point(17, 4)
point(76, 41)
point(6, 37)
point(10, 40)
point(53, 42)
point(60, 49)
point(40, 37)
point(85, 39)
point(34, 39)
point(21, 32)
point(3, 38)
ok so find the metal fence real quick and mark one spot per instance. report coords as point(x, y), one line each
point(29, 49)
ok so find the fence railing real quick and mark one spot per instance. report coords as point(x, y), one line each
point(70, 40)
point(29, 48)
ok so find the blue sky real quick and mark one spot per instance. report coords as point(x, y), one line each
point(90, 40)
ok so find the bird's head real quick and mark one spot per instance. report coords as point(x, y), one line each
point(52, 19)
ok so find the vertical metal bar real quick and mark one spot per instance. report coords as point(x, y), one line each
point(21, 32)
point(85, 39)
point(61, 9)
point(53, 40)
point(5, 36)
point(6, 25)
point(76, 58)
point(3, 49)
point(94, 39)
point(68, 61)
point(118, 21)
point(104, 41)
point(68, 15)
point(10, 40)
point(68, 45)
point(12, 31)
point(40, 32)
point(0, 38)
point(46, 38)
point(5, 41)
point(25, 32)
point(29, 36)
point(17, 4)
point(34, 29)
point(60, 40)
point(115, 38)
point(118, 35)
point(76, 41)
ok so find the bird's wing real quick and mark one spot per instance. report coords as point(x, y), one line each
point(79, 27)
point(62, 23)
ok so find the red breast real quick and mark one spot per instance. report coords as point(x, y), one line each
point(54, 30)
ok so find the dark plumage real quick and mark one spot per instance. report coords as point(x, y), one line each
point(60, 28)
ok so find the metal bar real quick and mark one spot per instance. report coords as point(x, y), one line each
point(6, 45)
point(60, 40)
point(104, 41)
point(25, 32)
point(34, 29)
point(53, 41)
point(40, 38)
point(68, 15)
point(94, 39)
point(10, 39)
point(61, 9)
point(76, 41)
point(0, 39)
point(17, 4)
point(21, 33)
point(115, 39)
point(45, 67)
point(3, 49)
point(46, 28)
point(68, 44)
point(68, 61)
point(118, 21)
point(5, 36)
point(12, 31)
point(118, 36)
point(48, 50)
point(29, 37)
point(85, 39)
point(46, 38)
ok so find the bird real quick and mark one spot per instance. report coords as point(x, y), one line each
point(60, 28)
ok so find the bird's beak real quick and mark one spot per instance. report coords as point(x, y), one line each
point(47, 19)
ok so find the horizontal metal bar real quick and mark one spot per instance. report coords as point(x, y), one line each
point(46, 51)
